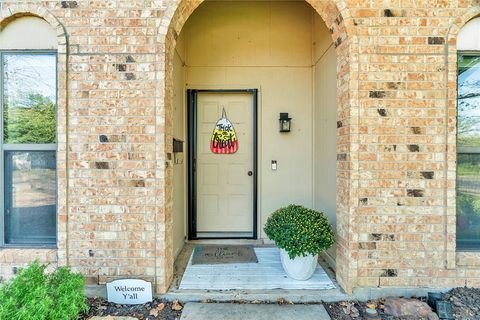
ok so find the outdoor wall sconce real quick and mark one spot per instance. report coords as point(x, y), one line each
point(285, 122)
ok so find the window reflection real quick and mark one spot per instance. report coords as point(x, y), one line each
point(468, 149)
point(30, 197)
point(29, 95)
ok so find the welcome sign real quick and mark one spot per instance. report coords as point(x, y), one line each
point(129, 291)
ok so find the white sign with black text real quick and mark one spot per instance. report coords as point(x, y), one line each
point(129, 291)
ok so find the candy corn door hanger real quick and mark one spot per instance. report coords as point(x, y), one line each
point(224, 139)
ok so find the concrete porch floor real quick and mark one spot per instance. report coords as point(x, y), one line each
point(272, 295)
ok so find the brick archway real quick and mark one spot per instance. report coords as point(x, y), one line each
point(339, 23)
point(450, 211)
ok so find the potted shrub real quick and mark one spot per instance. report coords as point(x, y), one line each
point(301, 234)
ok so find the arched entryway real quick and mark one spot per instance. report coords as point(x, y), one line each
point(311, 89)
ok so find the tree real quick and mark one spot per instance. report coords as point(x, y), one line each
point(34, 123)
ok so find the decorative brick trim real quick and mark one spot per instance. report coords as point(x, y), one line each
point(451, 132)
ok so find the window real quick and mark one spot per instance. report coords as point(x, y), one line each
point(468, 151)
point(28, 147)
point(468, 136)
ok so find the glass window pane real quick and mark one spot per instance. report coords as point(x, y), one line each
point(29, 98)
point(30, 197)
point(468, 164)
point(468, 101)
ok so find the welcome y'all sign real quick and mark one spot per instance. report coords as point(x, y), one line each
point(129, 291)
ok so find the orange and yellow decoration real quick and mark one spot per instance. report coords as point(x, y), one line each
point(224, 139)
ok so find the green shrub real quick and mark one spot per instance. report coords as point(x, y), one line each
point(36, 295)
point(299, 231)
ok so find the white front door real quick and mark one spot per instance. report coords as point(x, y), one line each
point(224, 182)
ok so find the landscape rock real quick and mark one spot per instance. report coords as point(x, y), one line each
point(465, 302)
point(432, 316)
point(401, 307)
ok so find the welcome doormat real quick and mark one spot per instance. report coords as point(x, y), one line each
point(266, 274)
point(223, 254)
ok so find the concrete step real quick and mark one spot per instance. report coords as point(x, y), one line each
point(272, 296)
point(234, 311)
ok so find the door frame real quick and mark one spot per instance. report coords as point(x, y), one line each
point(192, 99)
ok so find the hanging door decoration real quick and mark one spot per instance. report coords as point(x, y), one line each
point(224, 139)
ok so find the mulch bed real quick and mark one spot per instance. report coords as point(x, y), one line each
point(465, 306)
point(337, 310)
point(156, 310)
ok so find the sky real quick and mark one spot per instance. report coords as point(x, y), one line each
point(27, 73)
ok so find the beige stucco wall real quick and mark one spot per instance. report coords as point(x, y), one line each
point(325, 127)
point(469, 36)
point(28, 33)
point(180, 159)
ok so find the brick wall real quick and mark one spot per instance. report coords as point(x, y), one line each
point(396, 139)
point(405, 221)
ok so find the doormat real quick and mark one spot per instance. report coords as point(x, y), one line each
point(223, 254)
point(266, 274)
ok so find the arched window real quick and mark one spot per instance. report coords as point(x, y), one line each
point(468, 136)
point(28, 141)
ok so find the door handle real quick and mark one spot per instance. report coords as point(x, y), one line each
point(250, 173)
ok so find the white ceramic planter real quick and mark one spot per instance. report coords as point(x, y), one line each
point(300, 268)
